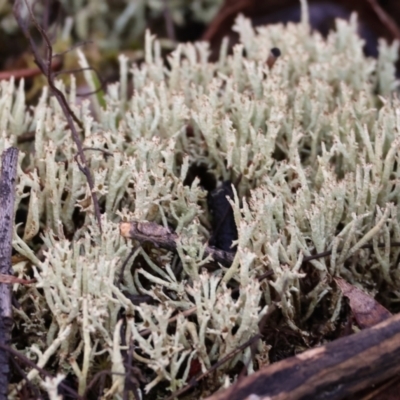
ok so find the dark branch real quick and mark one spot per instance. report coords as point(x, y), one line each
point(7, 199)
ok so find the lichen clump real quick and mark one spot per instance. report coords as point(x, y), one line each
point(316, 145)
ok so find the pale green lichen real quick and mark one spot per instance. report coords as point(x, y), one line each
point(318, 155)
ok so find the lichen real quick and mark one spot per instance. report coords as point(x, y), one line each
point(316, 146)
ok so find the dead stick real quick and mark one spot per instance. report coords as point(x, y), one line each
point(7, 199)
point(333, 372)
point(166, 239)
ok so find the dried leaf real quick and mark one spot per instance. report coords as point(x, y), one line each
point(366, 310)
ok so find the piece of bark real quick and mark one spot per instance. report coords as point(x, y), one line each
point(166, 239)
point(7, 197)
point(333, 371)
point(388, 390)
point(366, 310)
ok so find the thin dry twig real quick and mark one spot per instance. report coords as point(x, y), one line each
point(27, 72)
point(31, 364)
point(196, 379)
point(192, 310)
point(44, 65)
point(125, 263)
point(385, 18)
point(24, 376)
point(329, 252)
point(166, 239)
point(99, 375)
point(77, 70)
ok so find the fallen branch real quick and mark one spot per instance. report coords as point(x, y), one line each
point(7, 200)
point(334, 371)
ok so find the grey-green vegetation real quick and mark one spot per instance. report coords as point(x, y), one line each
point(316, 143)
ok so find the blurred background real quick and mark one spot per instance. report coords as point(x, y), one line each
point(106, 28)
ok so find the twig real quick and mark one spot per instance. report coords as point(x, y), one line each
point(329, 252)
point(33, 388)
point(31, 364)
point(105, 152)
point(26, 137)
point(27, 72)
point(73, 47)
point(385, 18)
point(100, 374)
point(192, 310)
point(77, 70)
point(7, 200)
point(44, 65)
point(121, 274)
point(195, 380)
point(166, 239)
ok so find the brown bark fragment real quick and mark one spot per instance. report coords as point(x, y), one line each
point(334, 371)
point(366, 310)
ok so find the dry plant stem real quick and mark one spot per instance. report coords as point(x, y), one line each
point(77, 70)
point(7, 200)
point(45, 66)
point(192, 310)
point(329, 252)
point(29, 384)
point(195, 380)
point(385, 18)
